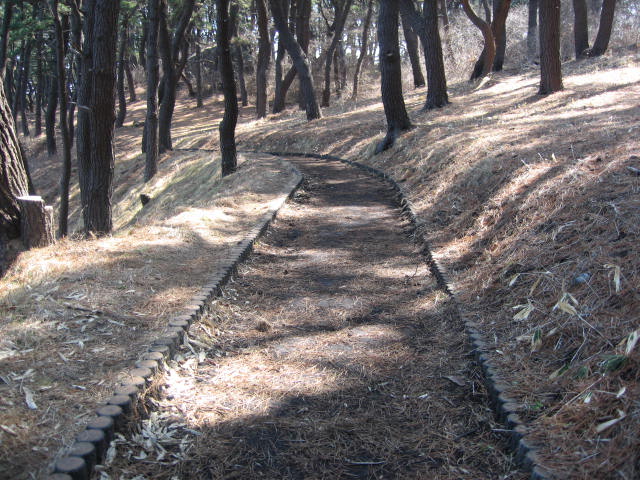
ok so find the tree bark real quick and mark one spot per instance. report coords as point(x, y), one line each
point(500, 13)
point(122, 99)
point(64, 126)
point(50, 114)
point(580, 28)
point(198, 68)
point(4, 35)
point(36, 222)
point(426, 28)
point(550, 66)
point(489, 50)
point(391, 74)
point(264, 56)
point(341, 14)
point(13, 180)
point(411, 42)
point(601, 43)
point(299, 60)
point(172, 65)
point(131, 84)
point(227, 126)
point(22, 88)
point(97, 96)
point(363, 49)
point(153, 79)
point(532, 30)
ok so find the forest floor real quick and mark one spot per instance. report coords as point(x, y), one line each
point(530, 203)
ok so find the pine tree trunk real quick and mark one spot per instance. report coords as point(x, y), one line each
point(131, 84)
point(264, 56)
point(198, 62)
point(484, 64)
point(601, 43)
point(340, 20)
point(122, 99)
point(96, 125)
point(299, 60)
point(153, 79)
point(4, 35)
point(580, 28)
point(228, 124)
point(363, 49)
point(550, 66)
point(64, 126)
point(532, 30)
point(411, 42)
point(391, 74)
point(50, 114)
point(13, 181)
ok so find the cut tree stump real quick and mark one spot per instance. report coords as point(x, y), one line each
point(36, 224)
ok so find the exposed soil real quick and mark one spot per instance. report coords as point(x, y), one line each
point(334, 355)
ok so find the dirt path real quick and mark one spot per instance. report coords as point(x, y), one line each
point(333, 354)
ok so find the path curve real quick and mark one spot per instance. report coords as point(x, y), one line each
point(333, 354)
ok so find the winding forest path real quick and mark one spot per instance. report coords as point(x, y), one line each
point(332, 354)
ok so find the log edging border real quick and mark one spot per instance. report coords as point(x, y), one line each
point(114, 414)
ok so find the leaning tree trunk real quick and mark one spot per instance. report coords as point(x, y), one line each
point(363, 50)
point(550, 66)
point(264, 56)
point(153, 79)
point(228, 124)
point(391, 74)
point(580, 28)
point(411, 42)
point(489, 50)
point(299, 60)
point(340, 20)
point(601, 42)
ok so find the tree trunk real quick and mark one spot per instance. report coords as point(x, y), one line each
point(39, 94)
point(50, 114)
point(228, 124)
point(4, 35)
point(76, 41)
point(22, 88)
point(153, 79)
point(500, 13)
point(13, 181)
point(489, 51)
point(299, 60)
point(64, 126)
point(122, 99)
point(601, 42)
point(142, 48)
point(244, 98)
point(427, 29)
point(411, 42)
point(363, 49)
point(532, 30)
point(198, 62)
point(550, 66)
point(264, 56)
point(131, 84)
point(339, 22)
point(97, 95)
point(580, 28)
point(36, 222)
point(391, 74)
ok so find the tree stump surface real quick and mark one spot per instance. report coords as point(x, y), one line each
point(36, 221)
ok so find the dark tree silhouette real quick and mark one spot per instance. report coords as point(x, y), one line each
point(550, 67)
point(264, 56)
point(153, 79)
point(228, 124)
point(391, 74)
point(96, 98)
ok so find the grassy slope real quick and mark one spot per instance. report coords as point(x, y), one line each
point(531, 204)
